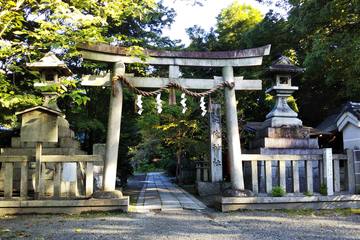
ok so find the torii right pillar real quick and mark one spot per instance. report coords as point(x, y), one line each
point(233, 137)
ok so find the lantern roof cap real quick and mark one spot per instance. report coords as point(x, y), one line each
point(284, 65)
point(50, 61)
point(41, 109)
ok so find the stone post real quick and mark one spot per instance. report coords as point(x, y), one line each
point(99, 149)
point(113, 130)
point(233, 136)
point(350, 171)
point(328, 171)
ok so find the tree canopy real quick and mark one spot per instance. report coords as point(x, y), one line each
point(30, 28)
point(321, 36)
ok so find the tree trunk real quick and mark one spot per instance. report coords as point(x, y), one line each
point(178, 166)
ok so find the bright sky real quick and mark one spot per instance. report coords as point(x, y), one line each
point(204, 16)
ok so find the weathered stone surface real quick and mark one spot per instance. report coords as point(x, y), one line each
point(64, 128)
point(107, 194)
point(233, 137)
point(237, 193)
point(15, 142)
point(285, 132)
point(46, 151)
point(69, 142)
point(99, 149)
point(290, 151)
point(227, 204)
point(208, 188)
point(282, 122)
point(33, 145)
point(38, 126)
point(63, 206)
point(235, 54)
point(216, 143)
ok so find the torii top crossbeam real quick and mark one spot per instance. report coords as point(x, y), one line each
point(237, 58)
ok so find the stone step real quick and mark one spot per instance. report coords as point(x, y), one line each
point(286, 132)
point(286, 143)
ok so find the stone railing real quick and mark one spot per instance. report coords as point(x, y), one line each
point(83, 162)
point(328, 165)
point(202, 171)
point(22, 182)
point(8, 164)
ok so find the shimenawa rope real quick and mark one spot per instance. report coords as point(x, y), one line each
point(174, 85)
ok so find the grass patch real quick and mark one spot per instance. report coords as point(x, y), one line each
point(323, 189)
point(277, 192)
point(308, 194)
point(355, 211)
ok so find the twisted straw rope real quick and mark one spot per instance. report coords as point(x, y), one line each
point(175, 85)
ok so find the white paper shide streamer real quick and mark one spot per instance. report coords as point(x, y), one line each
point(139, 104)
point(202, 106)
point(158, 103)
point(183, 103)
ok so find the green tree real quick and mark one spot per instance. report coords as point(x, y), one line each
point(30, 28)
point(234, 21)
point(325, 38)
point(328, 33)
point(171, 135)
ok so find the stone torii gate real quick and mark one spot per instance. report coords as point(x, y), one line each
point(174, 59)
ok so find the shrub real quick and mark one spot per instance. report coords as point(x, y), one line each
point(308, 194)
point(277, 192)
point(323, 189)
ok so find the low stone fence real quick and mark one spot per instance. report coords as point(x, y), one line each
point(328, 164)
point(46, 180)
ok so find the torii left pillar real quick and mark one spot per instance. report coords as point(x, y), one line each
point(113, 130)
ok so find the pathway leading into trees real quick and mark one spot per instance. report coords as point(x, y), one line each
point(158, 193)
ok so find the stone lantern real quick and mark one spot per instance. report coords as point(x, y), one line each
point(282, 70)
point(51, 69)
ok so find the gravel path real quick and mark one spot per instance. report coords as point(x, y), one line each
point(183, 224)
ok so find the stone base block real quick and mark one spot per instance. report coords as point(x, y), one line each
point(285, 132)
point(227, 204)
point(237, 193)
point(62, 206)
point(289, 151)
point(208, 188)
point(277, 122)
point(108, 194)
point(285, 143)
